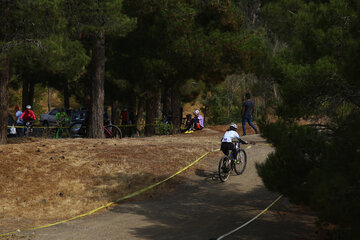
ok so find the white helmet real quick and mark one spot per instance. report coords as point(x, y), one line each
point(196, 112)
point(233, 125)
point(28, 107)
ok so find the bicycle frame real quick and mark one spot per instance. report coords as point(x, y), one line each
point(237, 147)
point(107, 131)
point(227, 163)
point(27, 127)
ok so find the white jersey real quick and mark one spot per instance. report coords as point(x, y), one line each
point(229, 136)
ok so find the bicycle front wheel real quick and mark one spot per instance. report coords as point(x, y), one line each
point(224, 168)
point(241, 161)
point(112, 131)
point(77, 130)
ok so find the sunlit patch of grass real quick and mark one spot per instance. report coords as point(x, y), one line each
point(46, 180)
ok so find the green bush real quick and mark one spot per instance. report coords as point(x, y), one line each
point(163, 129)
point(319, 168)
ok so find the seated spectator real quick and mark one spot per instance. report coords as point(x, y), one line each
point(188, 121)
point(197, 123)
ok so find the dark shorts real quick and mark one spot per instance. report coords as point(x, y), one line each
point(226, 147)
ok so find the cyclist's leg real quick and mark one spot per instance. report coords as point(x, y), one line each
point(233, 149)
point(32, 125)
point(26, 129)
point(61, 131)
point(226, 147)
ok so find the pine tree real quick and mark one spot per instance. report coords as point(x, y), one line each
point(317, 73)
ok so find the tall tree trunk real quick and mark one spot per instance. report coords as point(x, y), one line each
point(28, 92)
point(115, 113)
point(4, 82)
point(158, 105)
point(150, 114)
point(97, 87)
point(25, 92)
point(31, 92)
point(66, 93)
point(175, 109)
point(166, 100)
point(275, 91)
point(140, 112)
point(49, 99)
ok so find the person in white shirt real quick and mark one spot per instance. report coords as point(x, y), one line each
point(229, 136)
point(19, 122)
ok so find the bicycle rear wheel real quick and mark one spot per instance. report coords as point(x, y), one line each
point(224, 168)
point(241, 161)
point(112, 131)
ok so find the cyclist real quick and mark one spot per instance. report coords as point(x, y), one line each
point(61, 120)
point(226, 141)
point(28, 116)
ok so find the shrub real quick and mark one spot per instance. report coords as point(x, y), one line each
point(163, 129)
point(317, 168)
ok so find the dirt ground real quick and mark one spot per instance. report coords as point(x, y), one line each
point(48, 180)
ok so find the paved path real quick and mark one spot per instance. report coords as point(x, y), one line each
point(202, 208)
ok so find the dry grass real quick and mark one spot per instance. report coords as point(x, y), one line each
point(46, 180)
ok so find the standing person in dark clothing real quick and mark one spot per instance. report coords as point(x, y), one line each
point(246, 112)
point(131, 121)
point(124, 117)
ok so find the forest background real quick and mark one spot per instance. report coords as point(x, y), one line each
point(299, 59)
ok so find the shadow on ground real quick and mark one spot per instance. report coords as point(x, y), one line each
point(195, 212)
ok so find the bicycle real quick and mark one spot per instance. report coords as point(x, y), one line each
point(112, 131)
point(28, 127)
point(227, 163)
point(78, 129)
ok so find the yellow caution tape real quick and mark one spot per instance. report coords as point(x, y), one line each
point(257, 216)
point(17, 126)
point(116, 201)
point(133, 195)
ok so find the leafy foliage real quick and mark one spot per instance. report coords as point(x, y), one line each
point(162, 128)
point(319, 168)
point(316, 72)
point(224, 102)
